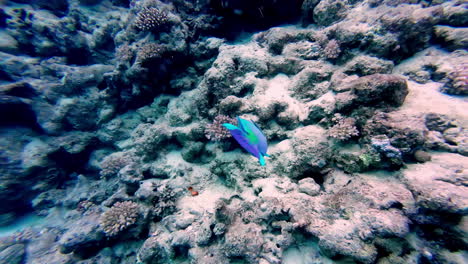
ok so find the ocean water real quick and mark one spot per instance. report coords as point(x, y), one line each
point(233, 131)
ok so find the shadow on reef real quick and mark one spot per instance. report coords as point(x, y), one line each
point(253, 15)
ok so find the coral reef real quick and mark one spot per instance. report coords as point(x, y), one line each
point(112, 148)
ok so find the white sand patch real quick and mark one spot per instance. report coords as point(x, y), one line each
point(205, 200)
point(174, 159)
point(273, 187)
point(426, 98)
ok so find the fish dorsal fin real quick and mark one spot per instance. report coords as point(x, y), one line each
point(240, 123)
point(256, 125)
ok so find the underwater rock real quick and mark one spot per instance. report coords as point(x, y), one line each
point(13, 254)
point(422, 156)
point(352, 159)
point(306, 154)
point(76, 79)
point(119, 128)
point(303, 49)
point(438, 122)
point(153, 251)
point(17, 111)
point(243, 241)
point(13, 192)
point(446, 133)
point(366, 65)
point(35, 155)
point(307, 83)
point(70, 113)
point(337, 244)
point(89, 2)
point(7, 43)
point(329, 11)
point(309, 186)
point(148, 139)
point(371, 90)
point(47, 199)
point(193, 151)
point(438, 183)
point(453, 38)
point(232, 62)
point(85, 236)
point(19, 89)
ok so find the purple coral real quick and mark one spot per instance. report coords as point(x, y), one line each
point(332, 49)
point(216, 131)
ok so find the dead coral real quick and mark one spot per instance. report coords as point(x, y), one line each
point(119, 217)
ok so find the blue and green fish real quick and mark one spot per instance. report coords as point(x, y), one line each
point(250, 137)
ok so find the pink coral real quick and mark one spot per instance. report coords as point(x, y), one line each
point(216, 131)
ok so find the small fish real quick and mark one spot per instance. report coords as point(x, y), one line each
point(250, 137)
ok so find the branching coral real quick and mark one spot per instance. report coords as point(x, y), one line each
point(216, 131)
point(343, 129)
point(332, 49)
point(149, 52)
point(150, 18)
point(165, 201)
point(124, 53)
point(119, 217)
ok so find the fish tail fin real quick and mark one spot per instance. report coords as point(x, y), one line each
point(261, 160)
point(266, 155)
point(230, 126)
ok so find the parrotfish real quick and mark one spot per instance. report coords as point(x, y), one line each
point(250, 137)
